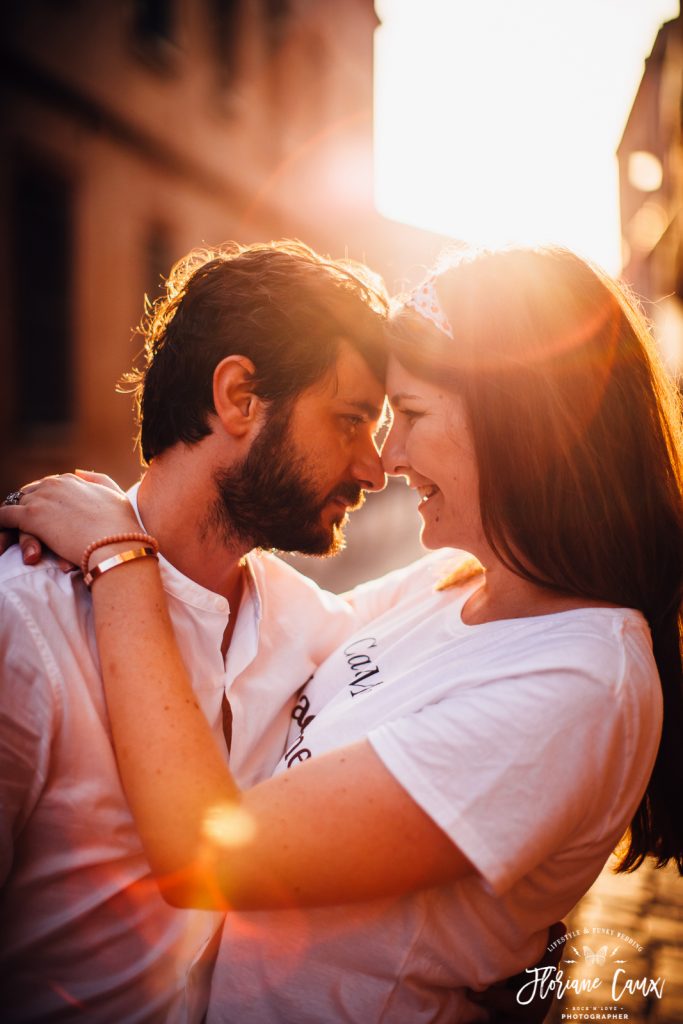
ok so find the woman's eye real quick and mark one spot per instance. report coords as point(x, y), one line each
point(410, 414)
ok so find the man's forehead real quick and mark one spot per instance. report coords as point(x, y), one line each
point(366, 396)
point(354, 382)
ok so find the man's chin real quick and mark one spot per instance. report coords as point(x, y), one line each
point(325, 544)
point(338, 542)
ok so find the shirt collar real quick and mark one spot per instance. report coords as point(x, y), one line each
point(187, 590)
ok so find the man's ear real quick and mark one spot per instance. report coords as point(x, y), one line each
point(237, 406)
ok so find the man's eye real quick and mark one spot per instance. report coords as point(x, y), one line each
point(353, 422)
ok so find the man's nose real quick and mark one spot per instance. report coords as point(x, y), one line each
point(393, 457)
point(368, 469)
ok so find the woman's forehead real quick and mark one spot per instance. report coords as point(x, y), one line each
point(396, 373)
point(401, 382)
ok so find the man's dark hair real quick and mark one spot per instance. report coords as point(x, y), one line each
point(281, 305)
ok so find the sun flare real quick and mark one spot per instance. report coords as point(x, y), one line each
point(499, 122)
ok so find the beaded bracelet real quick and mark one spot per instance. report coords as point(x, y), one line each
point(116, 538)
point(120, 559)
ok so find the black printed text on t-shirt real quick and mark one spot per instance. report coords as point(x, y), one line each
point(365, 673)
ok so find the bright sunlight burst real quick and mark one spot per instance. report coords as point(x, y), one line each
point(498, 120)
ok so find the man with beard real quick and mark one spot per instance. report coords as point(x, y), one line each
point(258, 407)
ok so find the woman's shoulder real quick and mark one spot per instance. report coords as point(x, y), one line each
point(608, 648)
point(584, 628)
point(594, 627)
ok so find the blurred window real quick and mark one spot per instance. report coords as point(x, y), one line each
point(277, 12)
point(155, 31)
point(154, 20)
point(224, 26)
point(158, 260)
point(42, 266)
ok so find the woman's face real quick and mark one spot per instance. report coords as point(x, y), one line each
point(431, 445)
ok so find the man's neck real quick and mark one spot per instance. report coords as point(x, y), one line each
point(173, 502)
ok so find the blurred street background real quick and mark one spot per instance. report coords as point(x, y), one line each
point(135, 130)
point(647, 907)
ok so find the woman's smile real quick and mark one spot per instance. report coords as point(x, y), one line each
point(427, 492)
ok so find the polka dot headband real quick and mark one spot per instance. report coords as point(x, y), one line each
point(426, 302)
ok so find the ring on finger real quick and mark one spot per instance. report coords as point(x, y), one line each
point(13, 498)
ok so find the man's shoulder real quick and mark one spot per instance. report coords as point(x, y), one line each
point(14, 573)
point(33, 585)
point(47, 640)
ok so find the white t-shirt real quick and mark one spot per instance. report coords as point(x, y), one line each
point(529, 742)
point(84, 933)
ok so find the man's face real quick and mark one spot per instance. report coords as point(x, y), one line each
point(308, 466)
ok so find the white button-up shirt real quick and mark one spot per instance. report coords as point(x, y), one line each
point(84, 933)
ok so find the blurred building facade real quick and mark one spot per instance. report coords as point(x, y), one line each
point(650, 158)
point(135, 130)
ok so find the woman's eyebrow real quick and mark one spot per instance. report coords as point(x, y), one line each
point(402, 396)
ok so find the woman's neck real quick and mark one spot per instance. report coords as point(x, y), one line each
point(504, 595)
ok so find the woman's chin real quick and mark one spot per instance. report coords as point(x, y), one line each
point(428, 540)
point(434, 535)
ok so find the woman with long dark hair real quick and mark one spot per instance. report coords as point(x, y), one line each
point(458, 773)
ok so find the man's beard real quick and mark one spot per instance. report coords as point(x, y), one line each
point(269, 500)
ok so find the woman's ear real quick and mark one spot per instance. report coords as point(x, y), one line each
point(237, 406)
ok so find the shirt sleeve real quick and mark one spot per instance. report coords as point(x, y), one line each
point(27, 720)
point(521, 767)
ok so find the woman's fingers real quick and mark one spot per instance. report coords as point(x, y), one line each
point(31, 548)
point(98, 478)
point(15, 516)
point(67, 512)
point(9, 522)
point(32, 551)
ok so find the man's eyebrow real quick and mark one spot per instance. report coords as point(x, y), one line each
point(369, 409)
